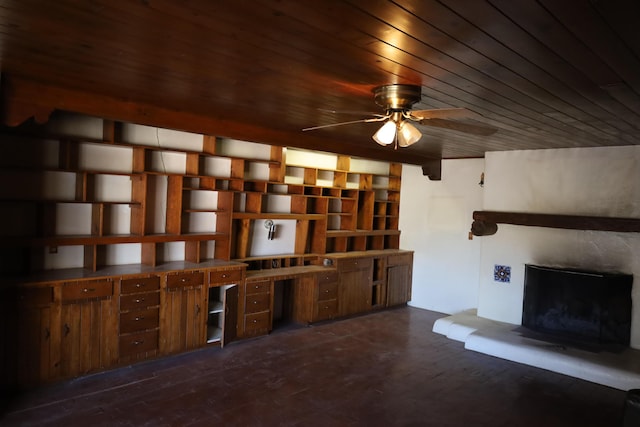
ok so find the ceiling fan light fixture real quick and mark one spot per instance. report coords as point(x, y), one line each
point(408, 134)
point(386, 134)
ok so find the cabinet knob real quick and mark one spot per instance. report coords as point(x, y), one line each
point(138, 342)
point(184, 279)
point(139, 318)
point(86, 290)
point(139, 285)
point(224, 276)
point(139, 300)
point(255, 321)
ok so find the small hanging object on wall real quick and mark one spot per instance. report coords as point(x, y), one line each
point(269, 225)
point(483, 228)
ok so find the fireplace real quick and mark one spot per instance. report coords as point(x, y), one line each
point(584, 308)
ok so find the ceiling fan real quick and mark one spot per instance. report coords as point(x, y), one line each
point(397, 100)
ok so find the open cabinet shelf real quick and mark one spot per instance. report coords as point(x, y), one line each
point(138, 196)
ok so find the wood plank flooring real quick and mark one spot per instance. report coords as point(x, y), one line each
point(382, 369)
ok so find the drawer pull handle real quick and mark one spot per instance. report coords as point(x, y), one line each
point(224, 276)
point(183, 280)
point(66, 329)
point(139, 318)
point(255, 321)
point(89, 290)
point(139, 300)
point(139, 285)
point(138, 342)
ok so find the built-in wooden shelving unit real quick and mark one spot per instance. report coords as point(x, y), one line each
point(123, 197)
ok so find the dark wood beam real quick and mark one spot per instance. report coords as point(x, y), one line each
point(569, 222)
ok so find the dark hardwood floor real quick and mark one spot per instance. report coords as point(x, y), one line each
point(382, 369)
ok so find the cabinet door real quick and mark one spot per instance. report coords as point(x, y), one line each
point(37, 342)
point(355, 291)
point(88, 335)
point(183, 319)
point(398, 284)
point(230, 324)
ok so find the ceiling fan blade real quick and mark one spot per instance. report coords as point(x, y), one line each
point(360, 113)
point(443, 113)
point(481, 130)
point(369, 120)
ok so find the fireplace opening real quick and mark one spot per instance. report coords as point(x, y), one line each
point(583, 308)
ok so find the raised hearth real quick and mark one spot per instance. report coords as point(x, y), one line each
point(618, 370)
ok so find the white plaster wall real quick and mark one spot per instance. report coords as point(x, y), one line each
point(581, 181)
point(435, 218)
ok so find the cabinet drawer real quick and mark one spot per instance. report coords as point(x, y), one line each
point(139, 320)
point(225, 276)
point(177, 280)
point(327, 309)
point(87, 289)
point(138, 301)
point(400, 259)
point(328, 277)
point(35, 297)
point(255, 303)
point(258, 321)
point(138, 343)
point(351, 264)
point(139, 284)
point(258, 287)
point(327, 291)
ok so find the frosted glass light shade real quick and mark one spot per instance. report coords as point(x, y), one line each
point(408, 134)
point(386, 134)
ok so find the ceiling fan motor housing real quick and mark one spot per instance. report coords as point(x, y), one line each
point(396, 97)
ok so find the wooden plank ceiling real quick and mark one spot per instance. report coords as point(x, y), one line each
point(546, 73)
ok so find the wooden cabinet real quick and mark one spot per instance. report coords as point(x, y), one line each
point(354, 285)
point(88, 326)
point(222, 305)
point(37, 341)
point(315, 297)
point(325, 304)
point(183, 312)
point(139, 317)
point(399, 275)
point(136, 243)
point(256, 308)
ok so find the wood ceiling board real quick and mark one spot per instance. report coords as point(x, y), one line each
point(547, 74)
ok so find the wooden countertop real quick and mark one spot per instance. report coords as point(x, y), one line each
point(120, 270)
point(286, 272)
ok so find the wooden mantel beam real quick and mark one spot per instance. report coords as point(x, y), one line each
point(570, 222)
